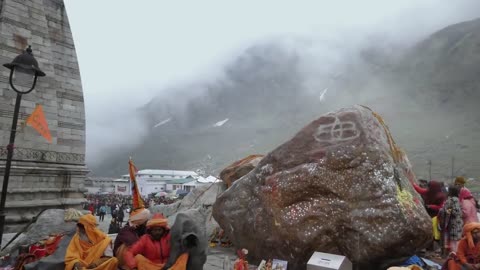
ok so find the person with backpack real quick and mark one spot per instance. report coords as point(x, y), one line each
point(102, 211)
point(451, 220)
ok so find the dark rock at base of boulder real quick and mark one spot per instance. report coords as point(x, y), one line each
point(340, 185)
point(188, 235)
point(239, 168)
point(51, 221)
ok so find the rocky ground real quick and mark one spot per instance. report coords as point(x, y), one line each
point(220, 258)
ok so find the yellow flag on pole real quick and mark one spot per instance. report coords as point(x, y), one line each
point(38, 121)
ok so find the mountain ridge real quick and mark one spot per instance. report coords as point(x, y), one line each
point(267, 97)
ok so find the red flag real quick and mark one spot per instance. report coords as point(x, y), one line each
point(39, 123)
point(137, 200)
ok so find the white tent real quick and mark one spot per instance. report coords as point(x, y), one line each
point(209, 179)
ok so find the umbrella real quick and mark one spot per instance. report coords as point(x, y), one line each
point(161, 194)
point(181, 192)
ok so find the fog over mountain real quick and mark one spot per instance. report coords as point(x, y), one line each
point(426, 90)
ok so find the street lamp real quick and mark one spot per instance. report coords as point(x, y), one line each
point(23, 78)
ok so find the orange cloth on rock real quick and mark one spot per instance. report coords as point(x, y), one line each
point(146, 264)
point(90, 252)
point(180, 263)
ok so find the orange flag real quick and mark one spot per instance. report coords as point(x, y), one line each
point(137, 200)
point(38, 121)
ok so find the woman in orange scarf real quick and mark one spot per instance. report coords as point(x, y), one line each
point(87, 247)
point(468, 251)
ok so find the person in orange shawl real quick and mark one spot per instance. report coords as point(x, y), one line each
point(151, 251)
point(468, 252)
point(88, 247)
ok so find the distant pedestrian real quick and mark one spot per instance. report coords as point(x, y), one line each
point(91, 208)
point(113, 211)
point(103, 211)
point(120, 215)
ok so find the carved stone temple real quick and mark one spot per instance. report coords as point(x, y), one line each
point(43, 175)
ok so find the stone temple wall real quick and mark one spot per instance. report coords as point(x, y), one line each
point(43, 174)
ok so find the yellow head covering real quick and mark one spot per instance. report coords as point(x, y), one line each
point(94, 234)
point(158, 220)
point(467, 231)
point(86, 252)
point(460, 180)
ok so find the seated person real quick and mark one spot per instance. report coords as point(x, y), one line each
point(89, 247)
point(153, 248)
point(113, 228)
point(130, 233)
point(468, 250)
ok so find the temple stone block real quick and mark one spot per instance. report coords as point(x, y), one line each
point(43, 175)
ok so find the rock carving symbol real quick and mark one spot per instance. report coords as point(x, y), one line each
point(338, 131)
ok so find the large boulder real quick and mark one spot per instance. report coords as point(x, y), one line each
point(202, 197)
point(340, 185)
point(239, 168)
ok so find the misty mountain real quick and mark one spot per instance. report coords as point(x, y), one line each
point(427, 94)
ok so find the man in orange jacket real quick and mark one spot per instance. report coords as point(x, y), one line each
point(468, 252)
point(151, 251)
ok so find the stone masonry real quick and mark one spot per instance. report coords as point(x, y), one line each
point(43, 175)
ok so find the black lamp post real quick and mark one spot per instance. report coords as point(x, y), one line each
point(23, 77)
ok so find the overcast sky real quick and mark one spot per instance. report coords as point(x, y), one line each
point(130, 50)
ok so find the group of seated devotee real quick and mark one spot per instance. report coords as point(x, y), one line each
point(143, 243)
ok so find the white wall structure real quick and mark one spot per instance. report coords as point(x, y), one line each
point(153, 181)
point(122, 186)
point(99, 185)
point(201, 181)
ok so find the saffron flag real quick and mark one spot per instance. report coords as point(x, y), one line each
point(38, 121)
point(137, 200)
